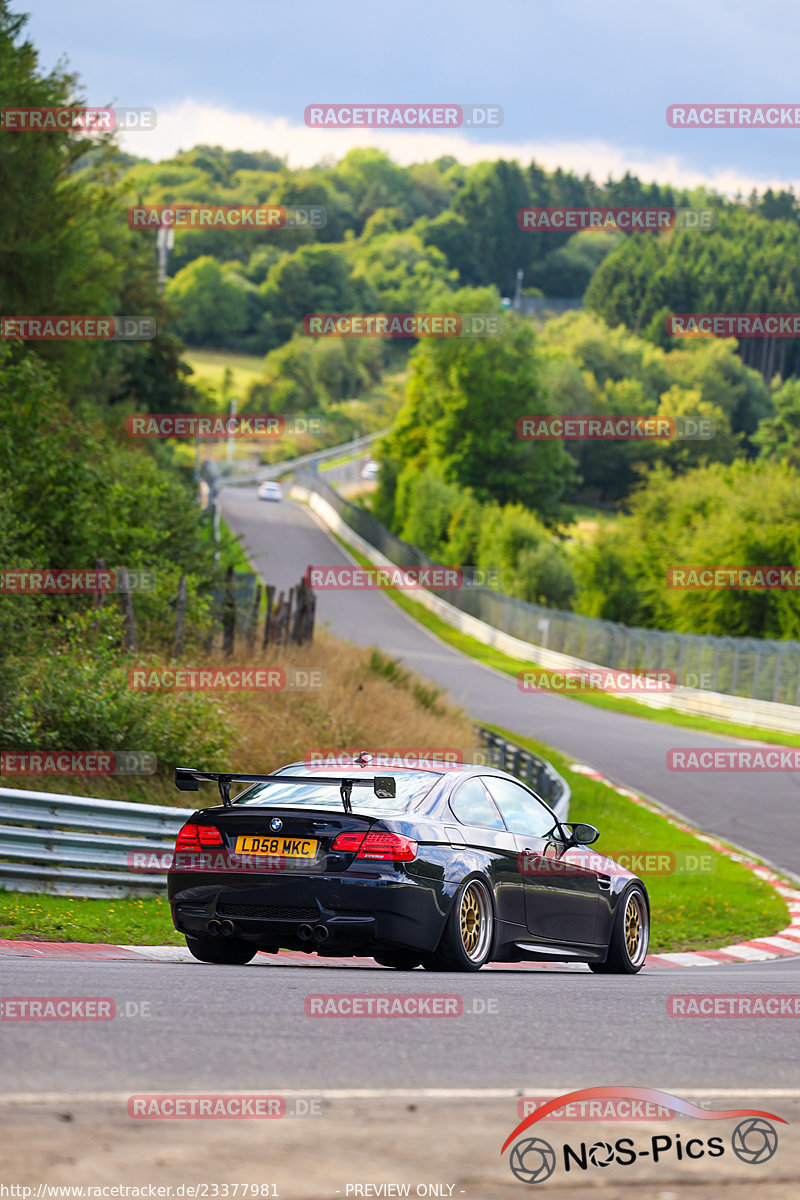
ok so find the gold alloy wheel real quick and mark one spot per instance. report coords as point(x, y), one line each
point(636, 934)
point(475, 920)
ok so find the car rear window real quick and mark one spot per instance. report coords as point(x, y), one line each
point(411, 787)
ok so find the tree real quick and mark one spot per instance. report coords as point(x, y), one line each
point(463, 399)
point(213, 305)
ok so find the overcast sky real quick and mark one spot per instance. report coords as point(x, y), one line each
point(583, 84)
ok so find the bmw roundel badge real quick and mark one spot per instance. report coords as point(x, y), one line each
point(275, 824)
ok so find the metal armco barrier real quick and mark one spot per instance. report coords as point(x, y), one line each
point(78, 846)
point(539, 774)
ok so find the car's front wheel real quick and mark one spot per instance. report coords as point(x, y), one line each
point(468, 936)
point(630, 936)
point(221, 950)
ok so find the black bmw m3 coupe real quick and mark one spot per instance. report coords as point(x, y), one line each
point(445, 869)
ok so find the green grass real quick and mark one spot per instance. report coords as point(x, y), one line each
point(492, 657)
point(209, 368)
point(45, 918)
point(689, 911)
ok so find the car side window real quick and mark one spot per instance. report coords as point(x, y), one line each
point(473, 805)
point(522, 812)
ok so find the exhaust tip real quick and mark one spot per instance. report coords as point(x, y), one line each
point(320, 933)
point(213, 928)
point(305, 933)
point(227, 928)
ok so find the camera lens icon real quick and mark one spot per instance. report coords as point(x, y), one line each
point(533, 1160)
point(754, 1141)
point(601, 1154)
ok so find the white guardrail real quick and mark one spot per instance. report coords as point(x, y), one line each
point(79, 846)
point(761, 714)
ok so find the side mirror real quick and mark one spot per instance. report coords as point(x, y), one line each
point(581, 834)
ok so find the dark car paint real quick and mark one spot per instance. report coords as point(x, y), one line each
point(542, 915)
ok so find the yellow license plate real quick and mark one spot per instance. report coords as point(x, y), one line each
point(278, 847)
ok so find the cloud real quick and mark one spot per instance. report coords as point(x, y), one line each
point(192, 123)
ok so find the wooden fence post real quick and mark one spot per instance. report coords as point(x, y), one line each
point(126, 601)
point(253, 622)
point(268, 619)
point(229, 615)
point(99, 597)
point(287, 632)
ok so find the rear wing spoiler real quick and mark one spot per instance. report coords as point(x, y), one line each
point(187, 779)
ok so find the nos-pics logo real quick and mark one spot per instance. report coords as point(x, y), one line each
point(753, 1141)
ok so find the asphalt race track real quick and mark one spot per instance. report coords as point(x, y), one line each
point(757, 811)
point(530, 1029)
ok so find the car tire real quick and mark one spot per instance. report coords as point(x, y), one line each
point(468, 939)
point(232, 951)
point(630, 936)
point(400, 960)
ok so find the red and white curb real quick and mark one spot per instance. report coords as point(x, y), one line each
point(785, 944)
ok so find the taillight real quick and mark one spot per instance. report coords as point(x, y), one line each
point(348, 842)
point(209, 835)
point(195, 837)
point(388, 847)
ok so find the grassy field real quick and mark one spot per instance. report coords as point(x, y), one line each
point(588, 523)
point(209, 368)
point(70, 919)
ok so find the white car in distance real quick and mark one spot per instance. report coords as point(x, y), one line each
point(270, 490)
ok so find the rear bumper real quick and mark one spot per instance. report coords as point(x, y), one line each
point(392, 909)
